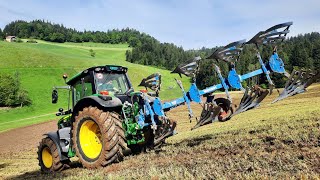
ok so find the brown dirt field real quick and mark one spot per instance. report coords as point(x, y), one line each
point(24, 138)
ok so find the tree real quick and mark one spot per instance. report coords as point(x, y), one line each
point(76, 38)
point(92, 53)
point(316, 56)
point(134, 42)
point(57, 37)
point(129, 56)
point(1, 35)
point(299, 57)
point(22, 98)
point(11, 93)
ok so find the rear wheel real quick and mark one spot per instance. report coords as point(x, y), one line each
point(98, 137)
point(48, 156)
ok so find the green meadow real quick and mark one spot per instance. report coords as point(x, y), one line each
point(40, 67)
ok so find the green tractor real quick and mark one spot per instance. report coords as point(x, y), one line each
point(93, 128)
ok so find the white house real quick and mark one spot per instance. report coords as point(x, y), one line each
point(10, 38)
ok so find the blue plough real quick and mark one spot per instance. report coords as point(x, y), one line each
point(222, 109)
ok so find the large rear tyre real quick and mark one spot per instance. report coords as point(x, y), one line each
point(98, 137)
point(48, 156)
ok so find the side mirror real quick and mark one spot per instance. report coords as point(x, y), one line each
point(54, 96)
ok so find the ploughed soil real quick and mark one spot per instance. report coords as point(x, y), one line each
point(24, 138)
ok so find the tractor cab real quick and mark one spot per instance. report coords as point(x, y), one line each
point(98, 81)
point(107, 87)
point(101, 81)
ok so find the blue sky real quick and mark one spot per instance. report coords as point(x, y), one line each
point(186, 23)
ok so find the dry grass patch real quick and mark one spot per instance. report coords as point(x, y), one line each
point(274, 141)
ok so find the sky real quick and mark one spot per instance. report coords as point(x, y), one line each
point(191, 24)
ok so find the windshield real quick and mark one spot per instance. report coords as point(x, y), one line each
point(115, 83)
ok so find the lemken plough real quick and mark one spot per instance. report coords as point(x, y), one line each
point(222, 109)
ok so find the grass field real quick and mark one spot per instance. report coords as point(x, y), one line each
point(41, 66)
point(274, 141)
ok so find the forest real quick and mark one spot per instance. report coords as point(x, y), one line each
point(302, 51)
point(44, 30)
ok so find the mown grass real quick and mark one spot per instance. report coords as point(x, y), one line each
point(274, 141)
point(41, 66)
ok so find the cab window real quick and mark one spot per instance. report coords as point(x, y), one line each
point(115, 83)
point(83, 89)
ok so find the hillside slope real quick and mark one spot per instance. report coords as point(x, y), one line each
point(41, 66)
point(274, 141)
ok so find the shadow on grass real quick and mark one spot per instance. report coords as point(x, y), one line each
point(194, 141)
point(3, 165)
point(42, 175)
point(38, 175)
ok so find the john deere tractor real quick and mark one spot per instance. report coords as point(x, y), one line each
point(100, 127)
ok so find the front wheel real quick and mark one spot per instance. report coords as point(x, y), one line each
point(48, 156)
point(98, 137)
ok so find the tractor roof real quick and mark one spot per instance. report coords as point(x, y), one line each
point(106, 68)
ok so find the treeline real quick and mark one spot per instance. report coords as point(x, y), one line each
point(153, 53)
point(44, 30)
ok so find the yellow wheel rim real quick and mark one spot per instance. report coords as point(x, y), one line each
point(47, 157)
point(90, 139)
